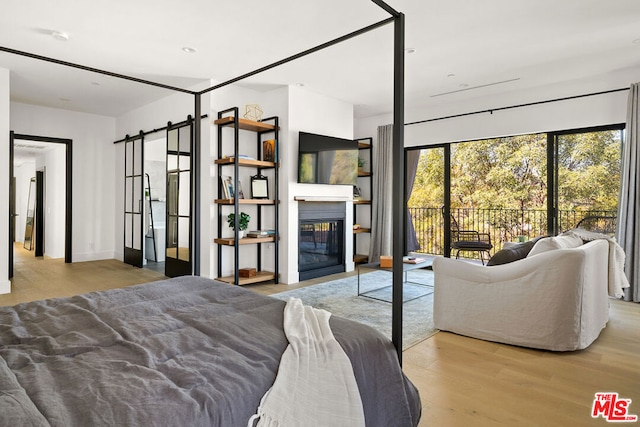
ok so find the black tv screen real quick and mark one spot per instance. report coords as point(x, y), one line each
point(327, 160)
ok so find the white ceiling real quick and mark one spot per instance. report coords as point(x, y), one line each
point(462, 46)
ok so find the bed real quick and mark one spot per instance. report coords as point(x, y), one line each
point(187, 351)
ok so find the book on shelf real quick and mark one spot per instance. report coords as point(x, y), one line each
point(260, 233)
point(240, 156)
point(413, 260)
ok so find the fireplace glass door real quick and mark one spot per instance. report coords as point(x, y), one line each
point(321, 248)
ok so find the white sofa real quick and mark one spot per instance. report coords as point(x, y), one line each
point(555, 300)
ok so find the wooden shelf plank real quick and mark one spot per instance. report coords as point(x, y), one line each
point(362, 202)
point(261, 276)
point(363, 145)
point(244, 124)
point(230, 241)
point(361, 230)
point(245, 162)
point(364, 174)
point(246, 201)
point(359, 258)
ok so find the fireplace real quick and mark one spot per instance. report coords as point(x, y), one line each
point(321, 239)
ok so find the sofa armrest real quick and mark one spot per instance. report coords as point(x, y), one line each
point(535, 302)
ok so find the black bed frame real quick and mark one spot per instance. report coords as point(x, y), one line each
point(399, 197)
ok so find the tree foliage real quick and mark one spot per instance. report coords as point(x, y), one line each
point(511, 173)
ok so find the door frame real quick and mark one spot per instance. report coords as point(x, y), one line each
point(68, 214)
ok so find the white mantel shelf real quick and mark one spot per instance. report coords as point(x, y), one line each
point(322, 199)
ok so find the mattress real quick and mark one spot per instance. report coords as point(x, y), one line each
point(187, 351)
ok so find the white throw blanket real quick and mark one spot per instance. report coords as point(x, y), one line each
point(617, 279)
point(315, 384)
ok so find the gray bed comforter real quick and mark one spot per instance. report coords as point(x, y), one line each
point(181, 352)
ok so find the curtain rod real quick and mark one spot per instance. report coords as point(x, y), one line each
point(491, 110)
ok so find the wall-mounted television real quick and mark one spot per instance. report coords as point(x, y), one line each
point(327, 160)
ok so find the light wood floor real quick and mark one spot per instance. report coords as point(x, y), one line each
point(462, 381)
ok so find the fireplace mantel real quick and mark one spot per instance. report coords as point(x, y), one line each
point(322, 199)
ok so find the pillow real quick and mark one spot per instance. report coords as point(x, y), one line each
point(559, 242)
point(512, 252)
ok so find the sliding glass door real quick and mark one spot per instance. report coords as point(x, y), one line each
point(133, 203)
point(179, 260)
point(587, 170)
point(519, 187)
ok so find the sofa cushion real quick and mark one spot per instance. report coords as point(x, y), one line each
point(512, 252)
point(558, 242)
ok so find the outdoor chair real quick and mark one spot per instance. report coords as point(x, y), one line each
point(469, 241)
point(598, 224)
point(308, 233)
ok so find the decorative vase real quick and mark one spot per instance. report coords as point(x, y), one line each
point(240, 234)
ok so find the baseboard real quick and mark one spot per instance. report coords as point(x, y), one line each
point(92, 256)
point(5, 287)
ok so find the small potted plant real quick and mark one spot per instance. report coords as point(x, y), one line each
point(243, 222)
point(361, 163)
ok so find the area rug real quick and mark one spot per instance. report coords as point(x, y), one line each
point(340, 297)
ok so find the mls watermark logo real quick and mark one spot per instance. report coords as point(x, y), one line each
point(612, 408)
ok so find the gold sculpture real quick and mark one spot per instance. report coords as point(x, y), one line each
point(253, 112)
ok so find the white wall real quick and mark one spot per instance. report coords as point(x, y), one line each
point(5, 284)
point(93, 183)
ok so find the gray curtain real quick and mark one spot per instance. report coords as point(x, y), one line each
point(382, 208)
point(413, 157)
point(628, 230)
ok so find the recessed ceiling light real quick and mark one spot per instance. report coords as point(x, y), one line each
point(188, 49)
point(451, 75)
point(64, 99)
point(636, 41)
point(95, 83)
point(300, 84)
point(410, 50)
point(464, 84)
point(60, 36)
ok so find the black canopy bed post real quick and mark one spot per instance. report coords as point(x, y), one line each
point(399, 187)
point(196, 168)
point(398, 135)
point(399, 190)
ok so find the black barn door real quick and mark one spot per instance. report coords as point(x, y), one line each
point(133, 200)
point(179, 259)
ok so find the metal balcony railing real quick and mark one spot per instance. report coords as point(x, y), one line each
point(504, 225)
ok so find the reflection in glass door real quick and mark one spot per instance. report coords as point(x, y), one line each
point(587, 180)
point(133, 190)
point(178, 260)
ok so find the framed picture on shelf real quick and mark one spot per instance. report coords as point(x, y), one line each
point(259, 187)
point(240, 192)
point(227, 186)
point(357, 195)
point(269, 150)
point(224, 191)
